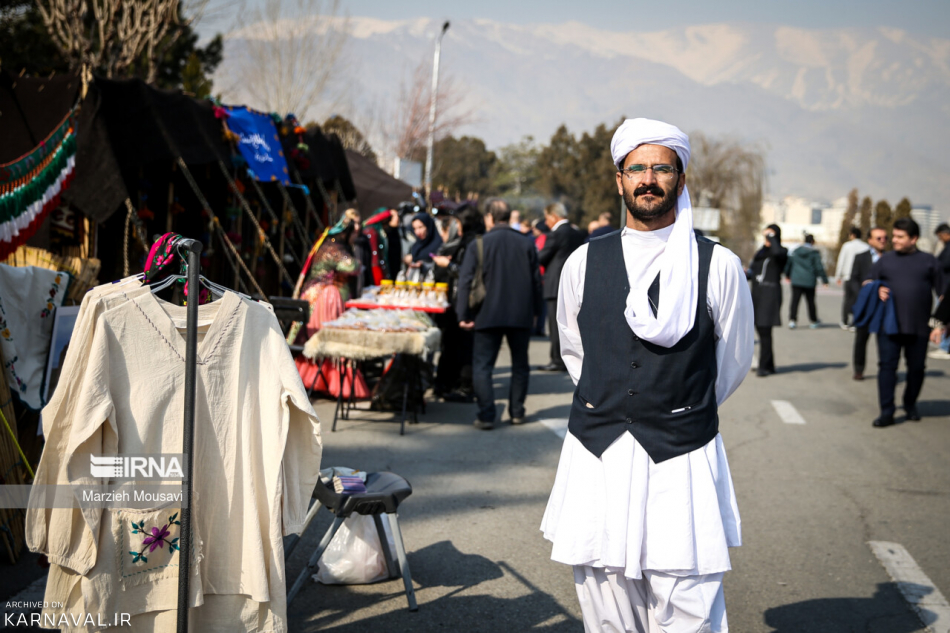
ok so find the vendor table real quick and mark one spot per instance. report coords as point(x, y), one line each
point(362, 305)
point(347, 347)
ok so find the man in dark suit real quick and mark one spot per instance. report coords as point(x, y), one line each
point(860, 272)
point(560, 243)
point(909, 278)
point(605, 222)
point(512, 300)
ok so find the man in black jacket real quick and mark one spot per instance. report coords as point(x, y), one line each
point(560, 243)
point(909, 278)
point(860, 271)
point(512, 300)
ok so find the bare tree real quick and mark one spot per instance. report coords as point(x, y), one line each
point(725, 174)
point(295, 54)
point(113, 35)
point(409, 124)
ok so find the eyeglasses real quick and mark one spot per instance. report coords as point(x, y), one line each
point(660, 172)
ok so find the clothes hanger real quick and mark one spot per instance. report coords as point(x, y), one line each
point(215, 289)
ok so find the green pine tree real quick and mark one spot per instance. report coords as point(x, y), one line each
point(903, 209)
point(884, 216)
point(850, 215)
point(865, 215)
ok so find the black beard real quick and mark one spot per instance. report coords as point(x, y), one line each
point(666, 204)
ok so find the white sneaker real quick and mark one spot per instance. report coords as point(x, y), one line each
point(843, 326)
point(792, 325)
point(939, 354)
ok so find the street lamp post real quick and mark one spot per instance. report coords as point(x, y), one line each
point(435, 93)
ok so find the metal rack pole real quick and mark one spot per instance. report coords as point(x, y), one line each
point(193, 247)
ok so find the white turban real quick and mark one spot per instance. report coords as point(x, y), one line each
point(636, 132)
point(678, 265)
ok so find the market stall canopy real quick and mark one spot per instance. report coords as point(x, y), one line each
point(374, 187)
point(342, 166)
point(30, 109)
point(127, 124)
point(318, 161)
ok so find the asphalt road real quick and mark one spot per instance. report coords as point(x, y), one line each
point(811, 497)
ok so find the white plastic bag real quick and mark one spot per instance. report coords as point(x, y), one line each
point(355, 556)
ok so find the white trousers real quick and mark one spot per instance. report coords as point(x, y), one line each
point(657, 603)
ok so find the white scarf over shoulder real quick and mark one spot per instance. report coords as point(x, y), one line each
point(679, 263)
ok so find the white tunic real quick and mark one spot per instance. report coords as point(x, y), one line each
point(257, 456)
point(623, 510)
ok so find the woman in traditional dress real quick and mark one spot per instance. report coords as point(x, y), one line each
point(324, 283)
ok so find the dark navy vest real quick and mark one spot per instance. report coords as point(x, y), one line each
point(665, 397)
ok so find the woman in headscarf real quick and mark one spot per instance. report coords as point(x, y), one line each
point(453, 381)
point(324, 283)
point(766, 274)
point(427, 241)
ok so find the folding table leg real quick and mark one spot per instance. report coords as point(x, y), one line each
point(317, 553)
point(339, 396)
point(405, 400)
point(416, 385)
point(403, 562)
point(391, 565)
point(316, 377)
point(351, 401)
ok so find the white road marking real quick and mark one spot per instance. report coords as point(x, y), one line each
point(787, 412)
point(557, 425)
point(918, 590)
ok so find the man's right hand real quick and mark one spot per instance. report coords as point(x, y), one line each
point(937, 335)
point(883, 293)
point(467, 325)
point(839, 282)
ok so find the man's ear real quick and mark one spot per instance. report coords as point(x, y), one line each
point(620, 183)
point(681, 185)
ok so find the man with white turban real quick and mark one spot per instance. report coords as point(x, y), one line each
point(656, 337)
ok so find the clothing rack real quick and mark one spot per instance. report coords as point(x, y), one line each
point(193, 248)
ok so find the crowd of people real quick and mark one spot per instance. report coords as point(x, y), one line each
point(889, 289)
point(519, 264)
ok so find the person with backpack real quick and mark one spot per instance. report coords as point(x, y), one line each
point(804, 269)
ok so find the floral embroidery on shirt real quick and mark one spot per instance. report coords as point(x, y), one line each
point(10, 363)
point(53, 291)
point(157, 538)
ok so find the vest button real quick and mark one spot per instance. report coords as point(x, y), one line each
point(634, 365)
point(629, 421)
point(631, 392)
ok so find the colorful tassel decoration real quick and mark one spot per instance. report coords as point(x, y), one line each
point(31, 186)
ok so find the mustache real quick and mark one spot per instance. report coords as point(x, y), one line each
point(651, 189)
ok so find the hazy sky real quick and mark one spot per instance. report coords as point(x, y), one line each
point(923, 17)
point(926, 17)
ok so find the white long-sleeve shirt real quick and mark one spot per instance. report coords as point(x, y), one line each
point(727, 298)
point(846, 258)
